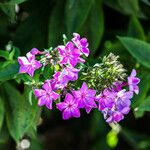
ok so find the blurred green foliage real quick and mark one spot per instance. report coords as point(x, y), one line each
point(118, 26)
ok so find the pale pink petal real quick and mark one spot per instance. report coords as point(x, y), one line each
point(23, 61)
point(133, 73)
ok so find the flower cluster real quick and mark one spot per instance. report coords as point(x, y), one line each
point(115, 102)
point(101, 88)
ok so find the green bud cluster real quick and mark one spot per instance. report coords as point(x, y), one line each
point(103, 75)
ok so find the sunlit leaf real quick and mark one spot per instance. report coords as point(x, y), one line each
point(140, 50)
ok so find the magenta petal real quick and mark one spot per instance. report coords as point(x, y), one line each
point(81, 104)
point(73, 61)
point(31, 71)
point(70, 46)
point(49, 104)
point(91, 92)
point(69, 98)
point(54, 95)
point(47, 86)
point(61, 106)
point(66, 114)
point(85, 51)
point(23, 69)
point(135, 80)
point(88, 109)
point(35, 51)
point(42, 101)
point(84, 86)
point(39, 92)
point(63, 60)
point(76, 113)
point(117, 116)
point(37, 64)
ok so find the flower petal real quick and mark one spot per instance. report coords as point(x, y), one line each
point(66, 114)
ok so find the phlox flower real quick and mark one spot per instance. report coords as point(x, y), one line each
point(85, 97)
point(69, 107)
point(46, 95)
point(28, 64)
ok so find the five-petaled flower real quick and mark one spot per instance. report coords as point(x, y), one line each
point(46, 95)
point(69, 107)
point(81, 44)
point(29, 64)
point(69, 54)
point(85, 97)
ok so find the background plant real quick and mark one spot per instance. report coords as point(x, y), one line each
point(118, 26)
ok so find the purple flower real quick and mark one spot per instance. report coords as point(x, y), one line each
point(85, 97)
point(69, 107)
point(69, 54)
point(133, 81)
point(61, 79)
point(114, 105)
point(29, 64)
point(115, 116)
point(70, 73)
point(81, 44)
point(46, 95)
point(106, 99)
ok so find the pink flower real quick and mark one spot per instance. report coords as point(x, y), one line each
point(81, 44)
point(133, 81)
point(69, 54)
point(46, 95)
point(69, 107)
point(85, 97)
point(29, 64)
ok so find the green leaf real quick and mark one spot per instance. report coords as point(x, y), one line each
point(9, 10)
point(128, 7)
point(4, 134)
point(4, 54)
point(94, 26)
point(20, 115)
point(16, 1)
point(135, 29)
point(1, 112)
point(76, 13)
point(56, 25)
point(144, 106)
point(48, 71)
point(9, 71)
point(140, 50)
